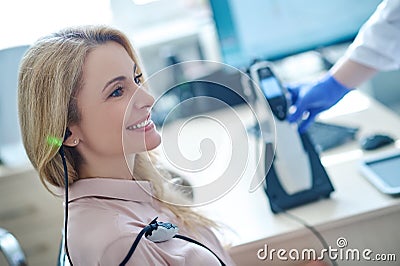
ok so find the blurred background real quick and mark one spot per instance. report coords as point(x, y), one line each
point(300, 37)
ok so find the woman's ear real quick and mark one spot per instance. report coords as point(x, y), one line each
point(71, 139)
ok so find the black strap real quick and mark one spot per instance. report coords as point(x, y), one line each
point(153, 226)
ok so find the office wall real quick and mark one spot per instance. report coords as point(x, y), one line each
point(11, 151)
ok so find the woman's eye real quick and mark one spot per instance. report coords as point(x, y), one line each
point(136, 79)
point(117, 92)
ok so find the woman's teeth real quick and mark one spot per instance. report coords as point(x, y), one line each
point(140, 125)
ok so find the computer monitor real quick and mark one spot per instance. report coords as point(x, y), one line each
point(274, 29)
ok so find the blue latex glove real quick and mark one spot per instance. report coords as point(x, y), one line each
point(314, 98)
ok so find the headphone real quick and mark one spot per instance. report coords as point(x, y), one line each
point(154, 231)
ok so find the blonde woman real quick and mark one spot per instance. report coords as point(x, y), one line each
point(74, 86)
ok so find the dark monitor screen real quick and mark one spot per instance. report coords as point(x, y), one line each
point(273, 29)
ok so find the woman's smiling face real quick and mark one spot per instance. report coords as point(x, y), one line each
point(110, 90)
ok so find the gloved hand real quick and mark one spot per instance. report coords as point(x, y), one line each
point(314, 98)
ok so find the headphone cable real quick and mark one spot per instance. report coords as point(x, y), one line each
point(313, 230)
point(62, 154)
point(150, 229)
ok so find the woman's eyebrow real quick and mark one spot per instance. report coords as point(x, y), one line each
point(119, 78)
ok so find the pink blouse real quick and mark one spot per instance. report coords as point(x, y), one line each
point(106, 215)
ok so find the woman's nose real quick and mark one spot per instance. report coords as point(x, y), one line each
point(142, 99)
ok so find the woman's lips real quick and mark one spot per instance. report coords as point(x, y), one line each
point(141, 124)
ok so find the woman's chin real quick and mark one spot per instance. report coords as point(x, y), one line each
point(153, 143)
point(136, 144)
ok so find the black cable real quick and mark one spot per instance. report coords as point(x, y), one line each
point(133, 247)
point(148, 229)
point(145, 230)
point(62, 154)
point(309, 227)
point(200, 244)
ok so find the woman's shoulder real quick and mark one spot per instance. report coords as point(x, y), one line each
point(94, 225)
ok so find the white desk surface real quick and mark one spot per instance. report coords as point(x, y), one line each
point(248, 215)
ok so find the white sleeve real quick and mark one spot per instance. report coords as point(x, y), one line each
point(377, 44)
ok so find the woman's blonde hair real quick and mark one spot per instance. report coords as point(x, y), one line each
point(49, 80)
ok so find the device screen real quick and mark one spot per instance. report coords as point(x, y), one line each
point(271, 88)
point(387, 170)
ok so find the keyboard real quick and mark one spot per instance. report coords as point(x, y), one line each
point(327, 136)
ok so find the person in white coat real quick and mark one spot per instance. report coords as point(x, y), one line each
point(375, 48)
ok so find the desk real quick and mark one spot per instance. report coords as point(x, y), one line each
point(356, 209)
